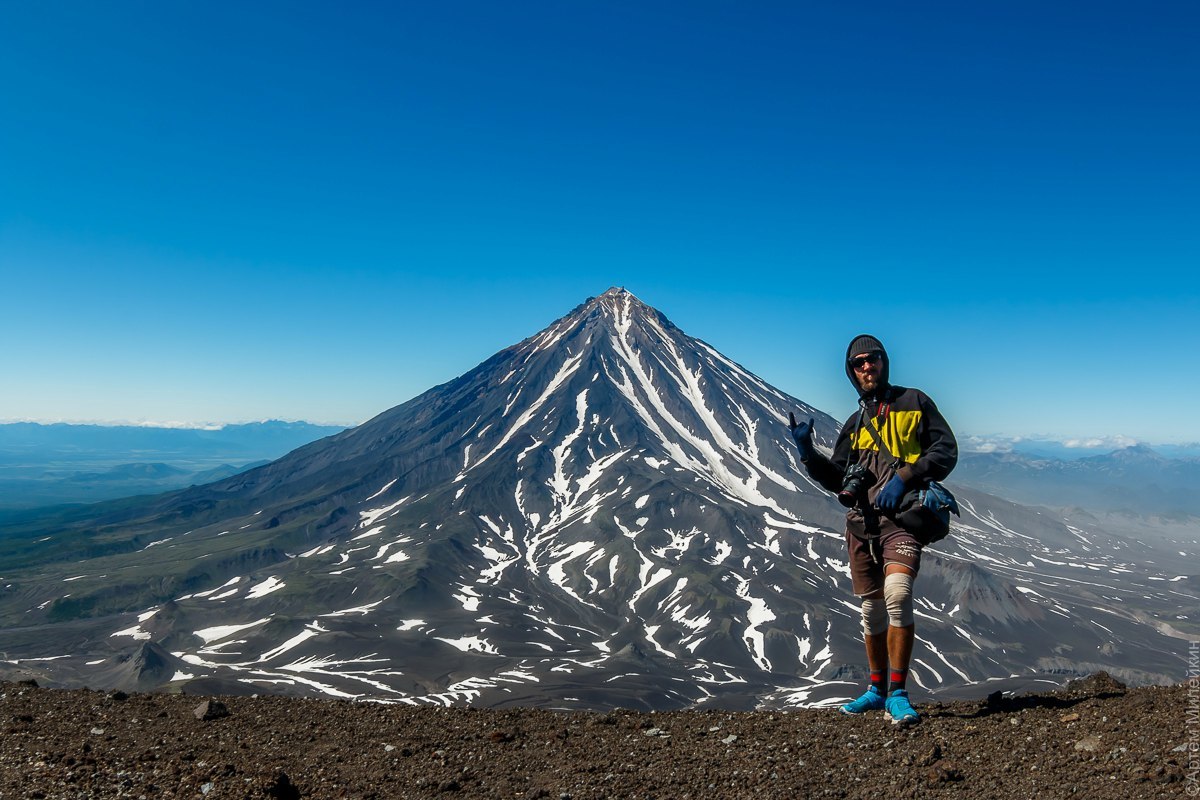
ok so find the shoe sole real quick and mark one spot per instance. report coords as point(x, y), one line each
point(902, 720)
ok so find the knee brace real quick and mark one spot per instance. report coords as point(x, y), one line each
point(874, 616)
point(897, 594)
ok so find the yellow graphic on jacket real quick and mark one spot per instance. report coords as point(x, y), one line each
point(899, 433)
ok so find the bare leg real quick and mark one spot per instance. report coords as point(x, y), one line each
point(899, 640)
point(878, 645)
point(899, 646)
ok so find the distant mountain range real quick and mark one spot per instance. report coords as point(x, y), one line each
point(608, 513)
point(1071, 449)
point(61, 463)
point(1134, 479)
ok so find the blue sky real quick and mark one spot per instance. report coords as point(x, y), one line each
point(224, 212)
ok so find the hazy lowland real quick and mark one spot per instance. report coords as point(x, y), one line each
point(50, 464)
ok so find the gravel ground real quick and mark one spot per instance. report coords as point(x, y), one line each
point(1094, 739)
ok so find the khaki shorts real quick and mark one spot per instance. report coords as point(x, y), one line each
point(868, 558)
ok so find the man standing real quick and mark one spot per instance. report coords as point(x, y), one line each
point(896, 442)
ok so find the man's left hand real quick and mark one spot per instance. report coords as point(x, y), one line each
point(890, 495)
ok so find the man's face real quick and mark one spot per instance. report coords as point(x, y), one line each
point(866, 370)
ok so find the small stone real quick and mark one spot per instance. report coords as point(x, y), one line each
point(389, 747)
point(97, 731)
point(1098, 684)
point(730, 739)
point(1088, 744)
point(206, 788)
point(1069, 718)
point(1183, 748)
point(210, 710)
point(931, 757)
point(943, 772)
point(1014, 721)
point(282, 788)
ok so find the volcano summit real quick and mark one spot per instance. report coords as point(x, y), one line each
point(609, 513)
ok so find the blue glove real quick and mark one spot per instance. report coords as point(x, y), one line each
point(890, 495)
point(802, 433)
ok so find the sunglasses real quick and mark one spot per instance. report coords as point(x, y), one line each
point(858, 362)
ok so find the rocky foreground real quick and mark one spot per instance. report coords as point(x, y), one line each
point(1094, 739)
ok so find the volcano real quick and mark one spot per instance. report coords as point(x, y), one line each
point(609, 513)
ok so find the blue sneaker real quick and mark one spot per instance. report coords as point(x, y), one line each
point(900, 710)
point(871, 700)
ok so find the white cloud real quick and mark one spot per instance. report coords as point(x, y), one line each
point(986, 444)
point(1044, 443)
point(1104, 442)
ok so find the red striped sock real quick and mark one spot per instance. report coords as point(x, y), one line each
point(896, 679)
point(877, 680)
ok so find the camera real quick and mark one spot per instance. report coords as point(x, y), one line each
point(854, 485)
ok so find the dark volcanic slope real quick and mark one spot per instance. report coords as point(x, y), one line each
point(1094, 740)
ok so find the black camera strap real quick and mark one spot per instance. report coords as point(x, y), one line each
point(869, 423)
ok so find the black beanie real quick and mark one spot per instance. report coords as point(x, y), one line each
point(864, 344)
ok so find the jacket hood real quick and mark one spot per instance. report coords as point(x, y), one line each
point(865, 343)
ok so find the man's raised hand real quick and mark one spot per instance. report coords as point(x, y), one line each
point(802, 434)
